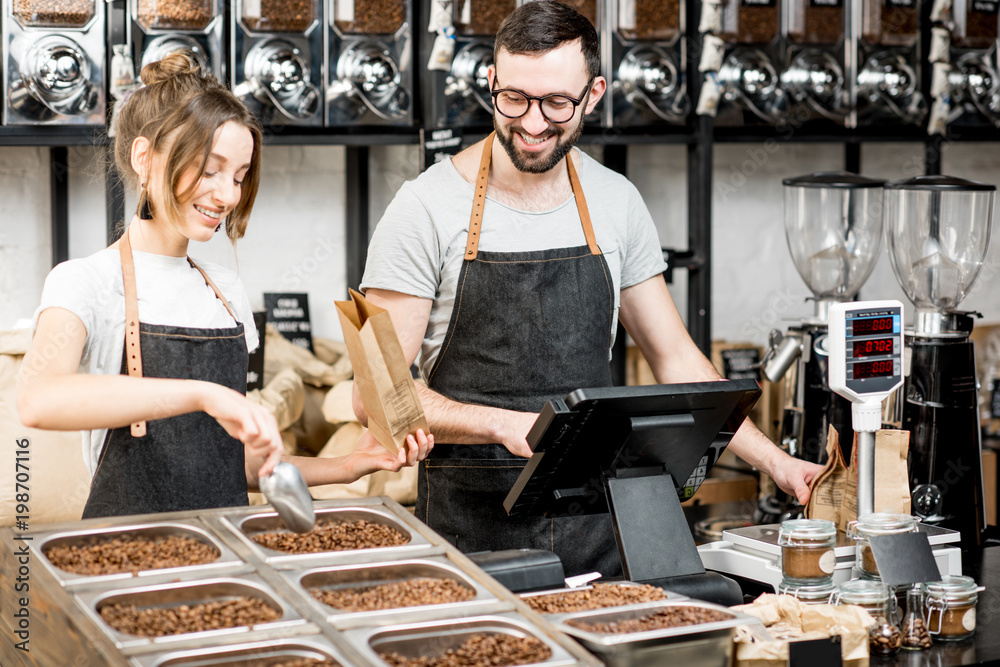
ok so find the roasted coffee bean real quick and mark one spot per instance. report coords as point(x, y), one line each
point(654, 19)
point(485, 16)
point(379, 17)
point(980, 29)
point(670, 617)
point(888, 24)
point(758, 23)
point(281, 16)
point(494, 650)
point(597, 597)
point(823, 24)
point(409, 593)
point(333, 536)
point(161, 621)
point(915, 634)
point(54, 12)
point(175, 14)
point(304, 662)
point(131, 554)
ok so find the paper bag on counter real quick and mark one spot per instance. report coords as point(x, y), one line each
point(827, 488)
point(892, 482)
point(380, 372)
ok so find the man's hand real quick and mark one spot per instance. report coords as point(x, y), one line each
point(511, 431)
point(794, 475)
point(369, 455)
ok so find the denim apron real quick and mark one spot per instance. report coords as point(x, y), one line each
point(526, 327)
point(187, 462)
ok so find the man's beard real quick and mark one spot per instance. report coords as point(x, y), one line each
point(537, 164)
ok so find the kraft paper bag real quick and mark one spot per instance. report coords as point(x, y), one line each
point(380, 372)
point(892, 481)
point(827, 488)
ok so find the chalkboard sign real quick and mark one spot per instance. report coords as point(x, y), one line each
point(740, 363)
point(289, 313)
point(995, 400)
point(255, 370)
point(438, 145)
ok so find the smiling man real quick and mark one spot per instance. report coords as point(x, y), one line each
point(505, 282)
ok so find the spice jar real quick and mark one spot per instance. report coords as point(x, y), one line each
point(876, 524)
point(54, 13)
point(809, 593)
point(649, 19)
point(750, 21)
point(951, 607)
point(807, 550)
point(884, 637)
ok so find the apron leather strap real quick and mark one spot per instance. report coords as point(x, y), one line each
point(479, 203)
point(132, 350)
point(132, 346)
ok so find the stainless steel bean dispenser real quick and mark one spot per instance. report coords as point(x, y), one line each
point(370, 71)
point(888, 63)
point(816, 60)
point(966, 76)
point(159, 27)
point(648, 56)
point(53, 59)
point(277, 59)
point(750, 73)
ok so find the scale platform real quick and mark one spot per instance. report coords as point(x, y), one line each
point(753, 553)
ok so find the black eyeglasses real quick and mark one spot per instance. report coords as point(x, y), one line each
point(555, 108)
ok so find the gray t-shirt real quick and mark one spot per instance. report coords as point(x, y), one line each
point(418, 245)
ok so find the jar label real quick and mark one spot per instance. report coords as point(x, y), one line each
point(969, 620)
point(828, 561)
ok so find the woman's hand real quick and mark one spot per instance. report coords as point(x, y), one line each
point(370, 455)
point(248, 422)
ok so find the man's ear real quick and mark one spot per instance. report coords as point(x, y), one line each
point(596, 93)
point(139, 156)
point(491, 74)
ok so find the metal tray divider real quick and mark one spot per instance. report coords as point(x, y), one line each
point(316, 642)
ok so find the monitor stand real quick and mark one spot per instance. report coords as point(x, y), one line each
point(653, 536)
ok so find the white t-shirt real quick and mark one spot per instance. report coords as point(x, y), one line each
point(169, 292)
point(419, 244)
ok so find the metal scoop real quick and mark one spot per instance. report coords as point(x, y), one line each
point(287, 492)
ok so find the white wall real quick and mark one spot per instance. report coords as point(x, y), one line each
point(296, 238)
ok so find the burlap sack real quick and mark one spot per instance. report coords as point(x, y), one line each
point(57, 480)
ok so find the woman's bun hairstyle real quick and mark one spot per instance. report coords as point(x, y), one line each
point(174, 64)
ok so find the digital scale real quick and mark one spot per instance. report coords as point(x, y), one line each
point(866, 365)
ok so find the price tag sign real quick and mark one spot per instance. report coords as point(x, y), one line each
point(740, 364)
point(255, 370)
point(290, 315)
point(438, 145)
point(904, 558)
point(995, 400)
point(815, 653)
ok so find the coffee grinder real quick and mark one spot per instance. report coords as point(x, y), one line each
point(938, 233)
point(833, 225)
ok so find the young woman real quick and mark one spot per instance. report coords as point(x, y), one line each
point(145, 351)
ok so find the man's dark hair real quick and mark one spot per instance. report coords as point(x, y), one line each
point(543, 25)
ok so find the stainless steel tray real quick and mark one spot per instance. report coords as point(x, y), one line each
point(186, 592)
point(705, 644)
point(227, 559)
point(245, 524)
point(435, 637)
point(246, 654)
point(669, 595)
point(367, 575)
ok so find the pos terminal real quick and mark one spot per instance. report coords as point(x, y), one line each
point(635, 452)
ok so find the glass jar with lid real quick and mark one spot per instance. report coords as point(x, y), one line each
point(873, 596)
point(279, 15)
point(876, 524)
point(176, 14)
point(54, 13)
point(950, 605)
point(823, 593)
point(807, 550)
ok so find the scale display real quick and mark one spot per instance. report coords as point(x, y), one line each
point(866, 348)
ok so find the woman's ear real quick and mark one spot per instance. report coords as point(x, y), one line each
point(140, 155)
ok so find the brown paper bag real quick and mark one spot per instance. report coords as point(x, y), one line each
point(827, 488)
point(381, 372)
point(892, 481)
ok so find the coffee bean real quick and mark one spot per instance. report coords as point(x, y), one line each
point(654, 19)
point(980, 29)
point(669, 617)
point(889, 25)
point(598, 597)
point(180, 619)
point(333, 536)
point(175, 14)
point(131, 554)
point(54, 12)
point(375, 17)
point(281, 16)
point(409, 593)
point(481, 650)
point(485, 16)
point(823, 25)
